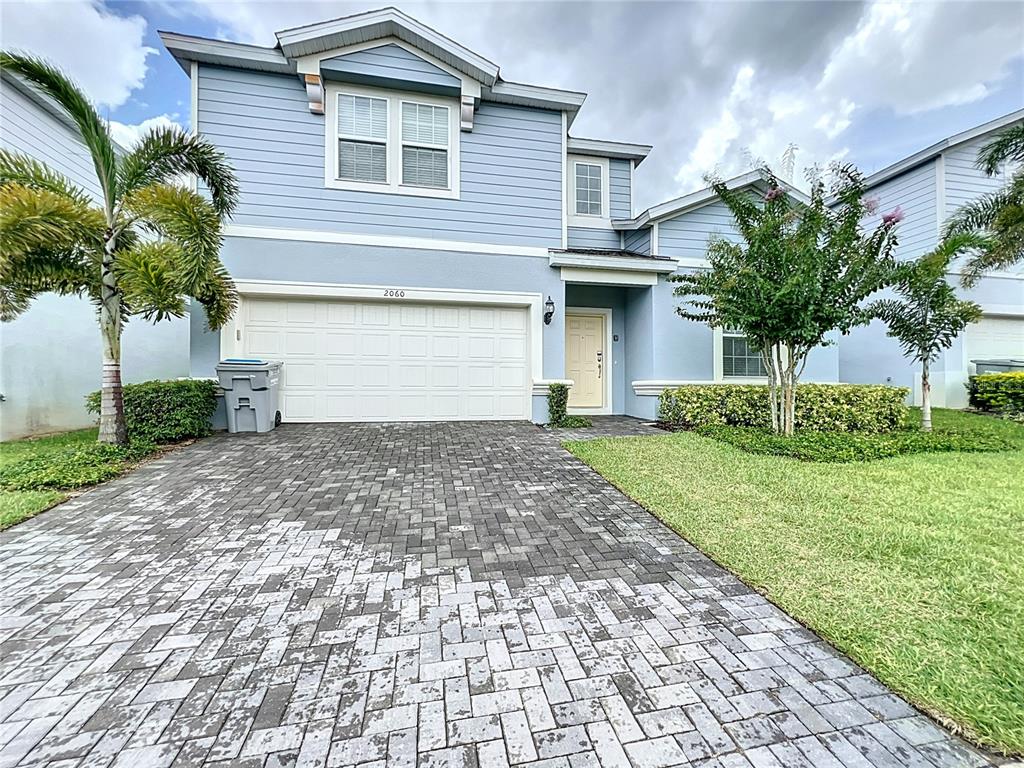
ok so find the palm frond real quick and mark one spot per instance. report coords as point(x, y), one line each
point(218, 297)
point(145, 274)
point(1006, 146)
point(73, 101)
point(36, 220)
point(168, 152)
point(55, 271)
point(16, 168)
point(188, 220)
point(979, 214)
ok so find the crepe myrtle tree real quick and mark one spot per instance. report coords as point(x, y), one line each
point(142, 248)
point(998, 215)
point(926, 316)
point(796, 273)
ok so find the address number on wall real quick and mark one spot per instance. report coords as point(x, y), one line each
point(394, 293)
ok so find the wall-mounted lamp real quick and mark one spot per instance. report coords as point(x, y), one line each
point(549, 311)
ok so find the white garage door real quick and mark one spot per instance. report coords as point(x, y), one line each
point(356, 361)
point(995, 337)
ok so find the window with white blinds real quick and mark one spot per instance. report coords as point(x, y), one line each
point(425, 145)
point(391, 142)
point(362, 138)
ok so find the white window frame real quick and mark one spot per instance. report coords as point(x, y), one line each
point(394, 184)
point(604, 220)
point(386, 142)
point(719, 352)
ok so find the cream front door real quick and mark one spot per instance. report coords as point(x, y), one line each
point(585, 360)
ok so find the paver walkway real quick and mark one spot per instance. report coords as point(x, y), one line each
point(458, 594)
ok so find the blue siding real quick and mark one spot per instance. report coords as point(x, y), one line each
point(914, 192)
point(390, 64)
point(511, 178)
point(638, 241)
point(687, 235)
point(585, 237)
point(619, 193)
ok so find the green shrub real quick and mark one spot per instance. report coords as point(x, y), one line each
point(166, 411)
point(997, 392)
point(73, 467)
point(819, 407)
point(836, 447)
point(558, 401)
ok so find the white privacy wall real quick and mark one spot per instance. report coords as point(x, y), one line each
point(50, 356)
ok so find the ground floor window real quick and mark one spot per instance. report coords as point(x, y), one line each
point(738, 357)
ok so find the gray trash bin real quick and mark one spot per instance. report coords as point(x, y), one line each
point(1010, 365)
point(251, 392)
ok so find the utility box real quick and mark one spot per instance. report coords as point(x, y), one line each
point(1011, 365)
point(251, 393)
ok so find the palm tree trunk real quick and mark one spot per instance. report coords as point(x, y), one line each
point(112, 424)
point(926, 399)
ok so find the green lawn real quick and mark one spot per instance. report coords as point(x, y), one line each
point(16, 506)
point(914, 566)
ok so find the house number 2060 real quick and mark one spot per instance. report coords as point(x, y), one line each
point(394, 293)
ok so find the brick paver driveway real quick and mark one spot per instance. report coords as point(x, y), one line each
point(442, 594)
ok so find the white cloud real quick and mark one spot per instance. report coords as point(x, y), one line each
point(898, 59)
point(129, 135)
point(100, 50)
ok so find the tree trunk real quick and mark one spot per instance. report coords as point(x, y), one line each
point(926, 399)
point(773, 387)
point(112, 424)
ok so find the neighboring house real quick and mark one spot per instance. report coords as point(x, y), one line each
point(929, 186)
point(50, 356)
point(419, 239)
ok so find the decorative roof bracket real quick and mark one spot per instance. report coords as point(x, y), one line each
point(315, 93)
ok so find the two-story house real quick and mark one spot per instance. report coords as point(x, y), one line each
point(420, 239)
point(928, 187)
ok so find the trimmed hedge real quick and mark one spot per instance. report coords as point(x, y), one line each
point(840, 447)
point(997, 392)
point(558, 401)
point(166, 411)
point(819, 407)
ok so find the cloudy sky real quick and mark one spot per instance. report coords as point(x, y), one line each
point(710, 85)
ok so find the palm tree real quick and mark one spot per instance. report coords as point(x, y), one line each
point(999, 215)
point(143, 248)
point(926, 317)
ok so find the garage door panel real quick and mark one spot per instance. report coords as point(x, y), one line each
point(354, 361)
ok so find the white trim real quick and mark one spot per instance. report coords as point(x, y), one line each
point(632, 195)
point(193, 88)
point(622, 263)
point(608, 364)
point(940, 193)
point(231, 333)
point(655, 241)
point(383, 241)
point(540, 386)
point(654, 387)
point(565, 181)
point(604, 220)
point(394, 99)
point(607, 276)
point(621, 150)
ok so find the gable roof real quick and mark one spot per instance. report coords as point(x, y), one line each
point(939, 147)
point(680, 205)
point(383, 23)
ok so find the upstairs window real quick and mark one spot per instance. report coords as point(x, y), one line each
point(425, 130)
point(385, 141)
point(362, 138)
point(739, 359)
point(588, 189)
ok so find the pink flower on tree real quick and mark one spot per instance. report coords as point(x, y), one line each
point(774, 193)
point(871, 206)
point(895, 216)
